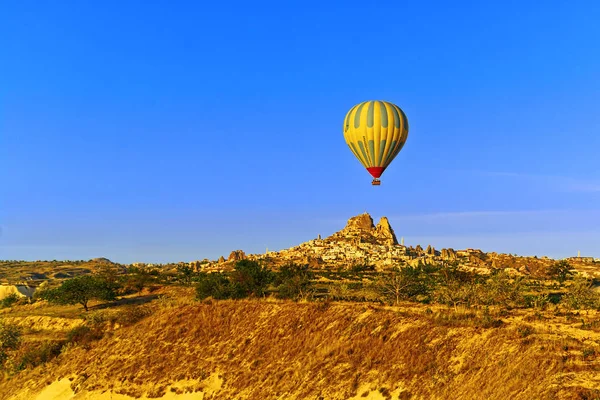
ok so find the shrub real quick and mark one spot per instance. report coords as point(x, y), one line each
point(137, 279)
point(294, 282)
point(215, 285)
point(537, 301)
point(250, 279)
point(561, 271)
point(405, 283)
point(40, 354)
point(84, 334)
point(10, 339)
point(131, 315)
point(502, 289)
point(581, 295)
point(185, 274)
point(9, 300)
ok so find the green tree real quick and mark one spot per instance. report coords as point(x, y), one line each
point(293, 281)
point(404, 283)
point(250, 278)
point(185, 274)
point(137, 279)
point(561, 271)
point(215, 285)
point(80, 290)
point(455, 286)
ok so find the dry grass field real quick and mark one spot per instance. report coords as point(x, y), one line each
point(176, 347)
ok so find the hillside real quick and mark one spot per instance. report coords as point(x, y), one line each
point(361, 242)
point(257, 349)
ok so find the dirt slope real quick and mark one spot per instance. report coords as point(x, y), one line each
point(285, 350)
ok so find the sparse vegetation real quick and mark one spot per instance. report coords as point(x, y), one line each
point(80, 290)
point(405, 284)
point(10, 339)
point(294, 282)
point(9, 300)
point(561, 271)
point(343, 324)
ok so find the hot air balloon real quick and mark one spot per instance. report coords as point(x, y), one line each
point(375, 131)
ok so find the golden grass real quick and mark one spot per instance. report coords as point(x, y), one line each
point(256, 349)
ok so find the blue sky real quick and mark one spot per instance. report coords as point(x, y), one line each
point(183, 130)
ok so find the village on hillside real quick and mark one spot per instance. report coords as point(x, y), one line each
point(361, 242)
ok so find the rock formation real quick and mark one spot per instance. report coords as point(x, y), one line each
point(448, 254)
point(362, 222)
point(236, 255)
point(385, 232)
point(360, 229)
point(221, 260)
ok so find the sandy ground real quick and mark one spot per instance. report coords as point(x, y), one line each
point(61, 390)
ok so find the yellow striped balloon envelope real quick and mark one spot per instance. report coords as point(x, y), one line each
point(375, 131)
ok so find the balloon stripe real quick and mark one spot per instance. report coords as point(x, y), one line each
point(364, 153)
point(357, 116)
point(389, 157)
point(390, 132)
point(347, 119)
point(372, 153)
point(384, 116)
point(396, 116)
point(380, 158)
point(357, 154)
point(370, 114)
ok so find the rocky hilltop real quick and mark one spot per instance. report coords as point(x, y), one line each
point(360, 229)
point(361, 242)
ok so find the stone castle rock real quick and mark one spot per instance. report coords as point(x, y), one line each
point(360, 229)
point(361, 242)
point(236, 255)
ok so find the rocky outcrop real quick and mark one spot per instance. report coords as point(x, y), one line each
point(362, 222)
point(236, 255)
point(448, 254)
point(221, 260)
point(385, 232)
point(360, 229)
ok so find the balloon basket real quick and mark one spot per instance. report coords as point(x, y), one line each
point(376, 182)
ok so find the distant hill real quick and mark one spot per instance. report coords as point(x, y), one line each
point(361, 242)
point(34, 272)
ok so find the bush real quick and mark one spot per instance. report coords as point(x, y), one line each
point(250, 279)
point(405, 283)
point(9, 300)
point(215, 285)
point(581, 295)
point(10, 339)
point(185, 274)
point(504, 290)
point(294, 282)
point(561, 271)
point(131, 315)
point(40, 354)
point(137, 279)
point(84, 334)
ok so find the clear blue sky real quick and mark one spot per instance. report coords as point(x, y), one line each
point(168, 131)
